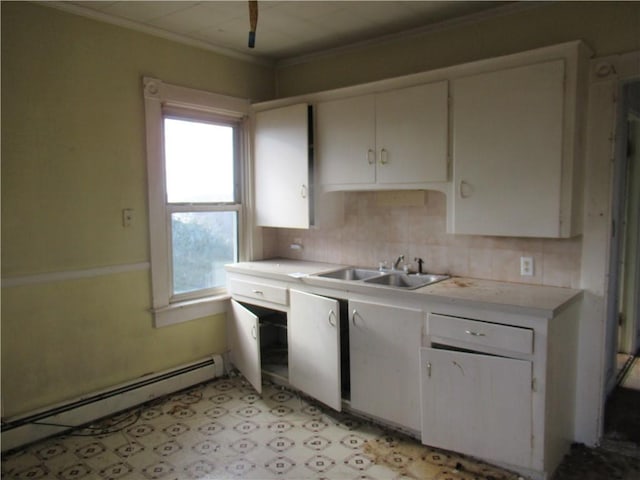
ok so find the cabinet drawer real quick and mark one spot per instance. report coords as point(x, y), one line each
point(260, 291)
point(479, 333)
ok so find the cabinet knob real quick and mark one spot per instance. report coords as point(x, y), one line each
point(474, 334)
point(371, 157)
point(464, 189)
point(384, 156)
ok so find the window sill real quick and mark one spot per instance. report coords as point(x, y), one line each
point(181, 312)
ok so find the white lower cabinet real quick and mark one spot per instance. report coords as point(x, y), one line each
point(477, 404)
point(384, 342)
point(488, 381)
point(314, 347)
point(291, 336)
point(243, 336)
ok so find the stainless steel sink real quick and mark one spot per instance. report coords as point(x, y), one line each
point(405, 280)
point(351, 274)
point(386, 278)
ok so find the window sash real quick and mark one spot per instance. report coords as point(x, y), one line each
point(187, 208)
point(166, 99)
point(174, 207)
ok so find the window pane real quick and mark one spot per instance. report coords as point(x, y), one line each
point(199, 161)
point(203, 242)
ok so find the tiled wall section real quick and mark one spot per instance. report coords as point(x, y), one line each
point(378, 228)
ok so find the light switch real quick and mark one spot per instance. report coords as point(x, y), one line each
point(127, 217)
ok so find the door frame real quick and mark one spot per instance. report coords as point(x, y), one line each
point(629, 337)
point(596, 367)
point(619, 197)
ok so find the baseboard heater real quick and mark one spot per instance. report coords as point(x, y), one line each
point(28, 428)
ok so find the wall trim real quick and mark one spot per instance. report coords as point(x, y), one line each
point(52, 277)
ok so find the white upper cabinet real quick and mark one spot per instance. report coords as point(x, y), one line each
point(507, 148)
point(282, 167)
point(517, 148)
point(394, 138)
point(346, 141)
point(502, 137)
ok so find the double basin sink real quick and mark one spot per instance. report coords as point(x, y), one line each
point(392, 278)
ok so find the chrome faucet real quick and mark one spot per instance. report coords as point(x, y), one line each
point(397, 262)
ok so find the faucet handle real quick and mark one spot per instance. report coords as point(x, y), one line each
point(397, 261)
point(420, 262)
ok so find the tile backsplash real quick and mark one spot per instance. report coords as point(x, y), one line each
point(379, 227)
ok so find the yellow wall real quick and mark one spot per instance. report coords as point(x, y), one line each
point(73, 156)
point(607, 27)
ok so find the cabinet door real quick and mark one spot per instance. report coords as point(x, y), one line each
point(412, 134)
point(314, 347)
point(282, 167)
point(507, 151)
point(477, 404)
point(384, 345)
point(345, 141)
point(244, 343)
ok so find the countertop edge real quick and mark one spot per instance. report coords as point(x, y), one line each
point(303, 272)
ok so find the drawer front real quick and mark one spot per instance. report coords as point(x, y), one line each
point(260, 291)
point(484, 334)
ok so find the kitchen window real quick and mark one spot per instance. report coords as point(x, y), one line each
point(195, 157)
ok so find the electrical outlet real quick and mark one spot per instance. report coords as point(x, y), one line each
point(526, 266)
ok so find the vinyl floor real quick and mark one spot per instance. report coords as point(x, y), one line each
point(224, 430)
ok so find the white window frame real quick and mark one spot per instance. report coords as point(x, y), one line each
point(158, 97)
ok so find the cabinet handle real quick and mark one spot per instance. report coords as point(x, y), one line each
point(384, 156)
point(332, 315)
point(371, 157)
point(428, 369)
point(258, 292)
point(303, 191)
point(475, 334)
point(254, 333)
point(461, 189)
point(353, 317)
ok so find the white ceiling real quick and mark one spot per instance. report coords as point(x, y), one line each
point(286, 29)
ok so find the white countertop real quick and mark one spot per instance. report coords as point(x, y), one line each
point(280, 268)
point(536, 299)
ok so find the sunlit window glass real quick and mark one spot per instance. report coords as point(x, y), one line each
point(199, 161)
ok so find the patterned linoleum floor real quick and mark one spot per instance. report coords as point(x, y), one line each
point(224, 430)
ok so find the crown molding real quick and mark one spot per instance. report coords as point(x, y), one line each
point(157, 32)
point(510, 8)
point(469, 19)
